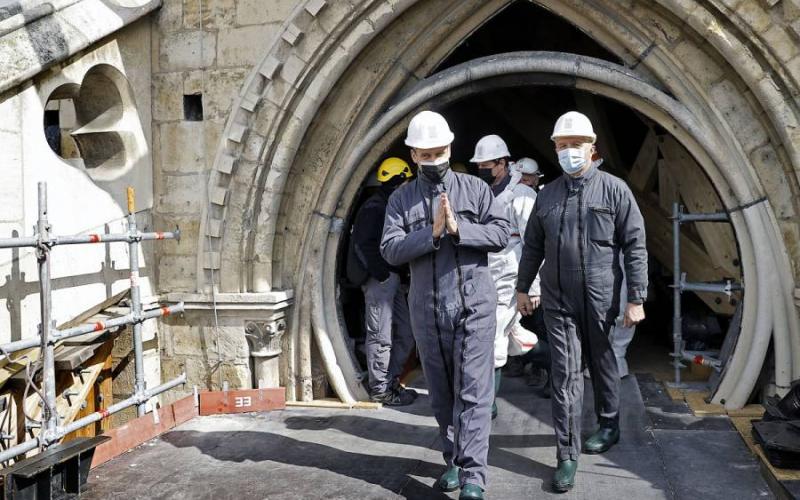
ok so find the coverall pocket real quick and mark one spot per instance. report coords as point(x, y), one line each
point(600, 222)
point(416, 219)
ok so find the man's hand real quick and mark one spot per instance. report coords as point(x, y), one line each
point(526, 304)
point(634, 314)
point(439, 220)
point(450, 219)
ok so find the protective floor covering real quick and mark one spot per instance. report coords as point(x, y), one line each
point(664, 452)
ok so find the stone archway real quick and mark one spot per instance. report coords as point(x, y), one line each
point(320, 95)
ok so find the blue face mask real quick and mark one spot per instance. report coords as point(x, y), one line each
point(572, 160)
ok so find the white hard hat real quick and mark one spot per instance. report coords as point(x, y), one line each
point(490, 147)
point(573, 124)
point(428, 130)
point(528, 166)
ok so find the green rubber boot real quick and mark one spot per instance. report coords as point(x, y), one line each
point(602, 440)
point(471, 492)
point(564, 478)
point(498, 376)
point(449, 480)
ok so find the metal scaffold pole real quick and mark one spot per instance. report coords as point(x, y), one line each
point(49, 414)
point(53, 430)
point(136, 305)
point(680, 285)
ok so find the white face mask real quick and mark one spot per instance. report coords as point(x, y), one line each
point(572, 160)
point(436, 162)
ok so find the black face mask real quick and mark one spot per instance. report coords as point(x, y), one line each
point(434, 173)
point(487, 175)
point(389, 186)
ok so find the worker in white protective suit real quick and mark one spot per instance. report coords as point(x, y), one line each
point(494, 166)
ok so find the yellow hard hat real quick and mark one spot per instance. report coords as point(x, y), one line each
point(391, 167)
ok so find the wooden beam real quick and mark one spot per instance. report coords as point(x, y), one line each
point(699, 195)
point(606, 142)
point(641, 176)
point(668, 193)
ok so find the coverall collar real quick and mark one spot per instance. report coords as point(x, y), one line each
point(573, 183)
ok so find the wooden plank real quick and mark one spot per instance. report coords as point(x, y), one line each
point(695, 261)
point(17, 362)
point(105, 391)
point(242, 401)
point(700, 196)
point(71, 357)
point(697, 402)
point(335, 404)
point(667, 188)
point(745, 427)
point(133, 433)
point(642, 175)
point(184, 410)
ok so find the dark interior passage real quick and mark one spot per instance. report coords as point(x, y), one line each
point(658, 170)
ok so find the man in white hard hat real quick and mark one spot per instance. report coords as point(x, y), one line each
point(517, 199)
point(580, 225)
point(531, 175)
point(443, 224)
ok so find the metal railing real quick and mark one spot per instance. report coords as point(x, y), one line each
point(43, 242)
point(680, 285)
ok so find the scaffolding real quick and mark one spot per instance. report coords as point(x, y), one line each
point(680, 285)
point(43, 242)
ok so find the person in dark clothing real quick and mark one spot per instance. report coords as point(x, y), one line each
point(389, 339)
point(580, 225)
point(444, 225)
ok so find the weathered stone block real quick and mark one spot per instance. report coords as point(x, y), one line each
point(261, 12)
point(183, 50)
point(221, 89)
point(178, 195)
point(780, 43)
point(170, 16)
point(701, 66)
point(188, 340)
point(770, 171)
point(244, 46)
point(168, 96)
point(177, 273)
point(754, 15)
point(737, 112)
point(216, 14)
point(180, 151)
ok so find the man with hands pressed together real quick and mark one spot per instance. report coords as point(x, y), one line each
point(580, 225)
point(443, 224)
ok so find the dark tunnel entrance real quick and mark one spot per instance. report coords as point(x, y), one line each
point(656, 167)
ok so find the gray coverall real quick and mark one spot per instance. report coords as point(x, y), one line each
point(452, 301)
point(578, 228)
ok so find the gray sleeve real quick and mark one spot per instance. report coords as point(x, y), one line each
point(399, 247)
point(532, 251)
point(491, 233)
point(630, 234)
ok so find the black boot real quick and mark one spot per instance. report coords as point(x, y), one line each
point(605, 437)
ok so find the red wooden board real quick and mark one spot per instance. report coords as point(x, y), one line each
point(242, 401)
point(143, 429)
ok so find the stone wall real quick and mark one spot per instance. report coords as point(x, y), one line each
point(209, 55)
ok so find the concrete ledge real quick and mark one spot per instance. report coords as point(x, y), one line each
point(265, 301)
point(52, 33)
